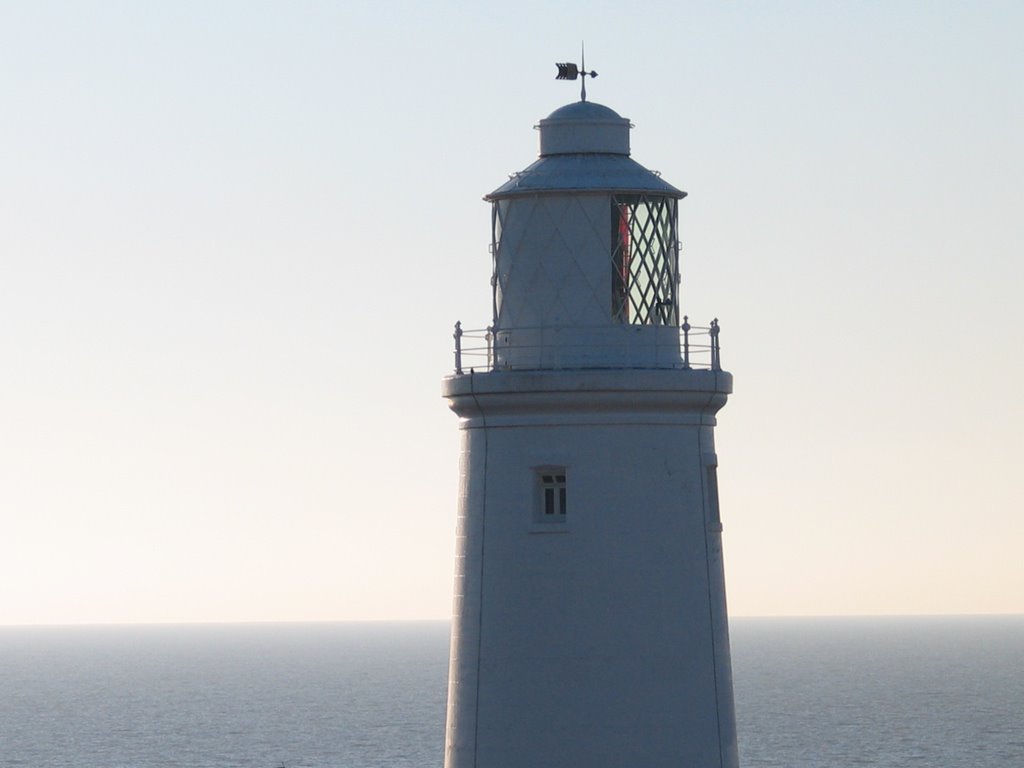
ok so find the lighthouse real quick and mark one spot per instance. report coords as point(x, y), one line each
point(589, 623)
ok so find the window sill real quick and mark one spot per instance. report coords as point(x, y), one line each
point(548, 528)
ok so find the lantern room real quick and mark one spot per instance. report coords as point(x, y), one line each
point(585, 252)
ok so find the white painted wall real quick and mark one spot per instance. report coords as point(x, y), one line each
point(602, 642)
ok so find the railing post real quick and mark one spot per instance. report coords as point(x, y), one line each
point(686, 342)
point(716, 352)
point(458, 348)
point(490, 348)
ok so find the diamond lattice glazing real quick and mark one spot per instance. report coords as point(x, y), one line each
point(644, 260)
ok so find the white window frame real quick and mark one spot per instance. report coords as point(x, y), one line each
point(550, 506)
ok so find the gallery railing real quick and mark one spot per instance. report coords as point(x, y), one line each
point(477, 350)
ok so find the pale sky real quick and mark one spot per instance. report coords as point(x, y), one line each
point(234, 238)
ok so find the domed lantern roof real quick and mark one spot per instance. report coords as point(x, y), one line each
point(585, 147)
point(584, 127)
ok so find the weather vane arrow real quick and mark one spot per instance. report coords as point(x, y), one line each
point(569, 71)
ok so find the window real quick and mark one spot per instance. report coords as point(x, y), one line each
point(551, 507)
point(645, 260)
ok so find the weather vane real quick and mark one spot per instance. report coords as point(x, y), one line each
point(569, 71)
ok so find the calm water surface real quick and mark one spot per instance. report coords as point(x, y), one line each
point(814, 693)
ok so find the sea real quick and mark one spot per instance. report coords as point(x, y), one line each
point(914, 692)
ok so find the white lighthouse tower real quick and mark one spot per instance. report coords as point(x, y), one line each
point(590, 623)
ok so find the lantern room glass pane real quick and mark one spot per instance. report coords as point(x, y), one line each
point(645, 260)
point(499, 211)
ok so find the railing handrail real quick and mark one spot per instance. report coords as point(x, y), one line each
point(486, 348)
